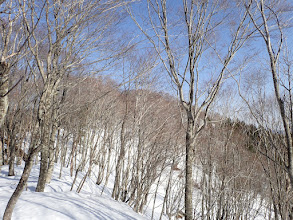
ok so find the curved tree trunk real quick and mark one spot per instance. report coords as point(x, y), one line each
point(20, 187)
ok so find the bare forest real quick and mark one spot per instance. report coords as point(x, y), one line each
point(181, 109)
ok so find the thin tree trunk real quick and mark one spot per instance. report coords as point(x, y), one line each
point(4, 70)
point(155, 197)
point(167, 192)
point(157, 187)
point(1, 154)
point(85, 177)
point(12, 157)
point(108, 169)
point(58, 146)
point(117, 184)
point(75, 177)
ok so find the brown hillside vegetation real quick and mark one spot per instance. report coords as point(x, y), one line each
point(140, 136)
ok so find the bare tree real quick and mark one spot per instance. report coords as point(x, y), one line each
point(17, 123)
point(55, 53)
point(200, 23)
point(262, 13)
point(12, 43)
point(271, 20)
point(59, 48)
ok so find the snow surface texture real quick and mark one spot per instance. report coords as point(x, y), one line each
point(58, 202)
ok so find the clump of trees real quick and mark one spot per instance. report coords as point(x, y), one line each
point(63, 108)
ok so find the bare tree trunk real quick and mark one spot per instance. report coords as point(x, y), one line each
point(108, 167)
point(120, 159)
point(1, 154)
point(199, 19)
point(167, 192)
point(4, 70)
point(45, 121)
point(75, 177)
point(51, 149)
point(51, 165)
point(12, 157)
point(43, 171)
point(188, 171)
point(274, 55)
point(20, 187)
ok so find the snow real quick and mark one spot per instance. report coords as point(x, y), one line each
point(58, 202)
point(94, 201)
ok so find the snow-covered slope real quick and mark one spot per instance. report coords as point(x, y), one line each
point(58, 202)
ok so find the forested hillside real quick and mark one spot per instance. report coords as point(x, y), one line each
point(176, 109)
